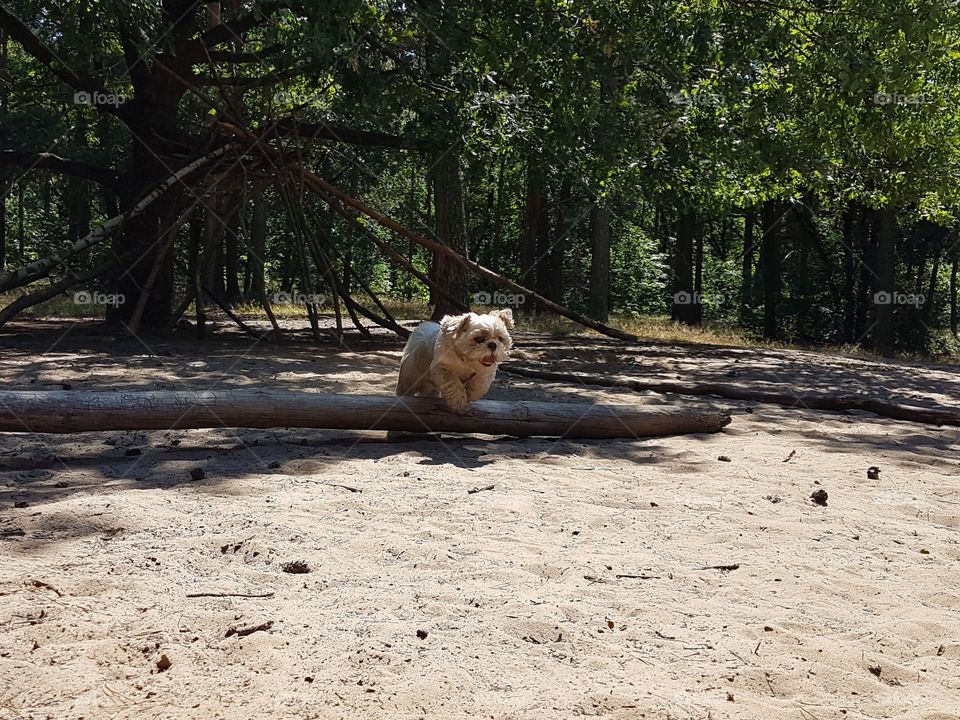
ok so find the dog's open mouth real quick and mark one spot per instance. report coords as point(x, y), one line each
point(488, 361)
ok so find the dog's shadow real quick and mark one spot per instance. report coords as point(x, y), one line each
point(438, 450)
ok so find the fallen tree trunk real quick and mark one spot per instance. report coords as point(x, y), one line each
point(810, 401)
point(70, 412)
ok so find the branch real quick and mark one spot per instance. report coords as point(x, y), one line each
point(327, 191)
point(57, 288)
point(34, 46)
point(49, 161)
point(248, 81)
point(225, 32)
point(338, 133)
point(243, 57)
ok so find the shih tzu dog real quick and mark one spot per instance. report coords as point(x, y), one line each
point(457, 358)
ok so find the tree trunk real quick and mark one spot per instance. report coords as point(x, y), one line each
point(451, 228)
point(532, 227)
point(564, 223)
point(883, 333)
point(258, 240)
point(496, 248)
point(60, 411)
point(770, 264)
point(3, 232)
point(231, 259)
point(685, 307)
point(4, 107)
point(212, 259)
point(196, 234)
point(954, 270)
point(802, 218)
point(850, 240)
point(599, 301)
point(4, 64)
point(21, 213)
point(78, 209)
point(154, 109)
point(544, 283)
point(698, 230)
point(867, 236)
point(930, 297)
point(746, 268)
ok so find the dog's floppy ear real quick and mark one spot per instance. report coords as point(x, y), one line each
point(453, 324)
point(506, 315)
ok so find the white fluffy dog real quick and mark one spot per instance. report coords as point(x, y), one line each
point(456, 359)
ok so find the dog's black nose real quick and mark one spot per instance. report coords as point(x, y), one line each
point(492, 345)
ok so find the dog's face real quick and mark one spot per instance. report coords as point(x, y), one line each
point(480, 339)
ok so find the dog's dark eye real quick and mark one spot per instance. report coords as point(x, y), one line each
point(478, 340)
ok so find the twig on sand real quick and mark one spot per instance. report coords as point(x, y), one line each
point(239, 595)
point(345, 487)
point(48, 586)
point(638, 577)
point(790, 456)
point(722, 568)
point(249, 630)
point(480, 489)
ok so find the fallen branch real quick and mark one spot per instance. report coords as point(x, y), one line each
point(54, 289)
point(722, 568)
point(810, 401)
point(328, 192)
point(621, 576)
point(225, 595)
point(249, 630)
point(475, 490)
point(58, 411)
point(42, 267)
point(50, 161)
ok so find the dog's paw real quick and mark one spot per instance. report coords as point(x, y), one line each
point(457, 403)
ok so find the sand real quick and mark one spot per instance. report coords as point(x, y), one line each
point(625, 579)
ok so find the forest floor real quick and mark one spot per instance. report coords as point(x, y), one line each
point(682, 577)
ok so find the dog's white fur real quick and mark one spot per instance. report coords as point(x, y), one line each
point(456, 359)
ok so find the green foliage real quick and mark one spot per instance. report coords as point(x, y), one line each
point(658, 108)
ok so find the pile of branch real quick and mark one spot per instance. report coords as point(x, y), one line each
point(810, 401)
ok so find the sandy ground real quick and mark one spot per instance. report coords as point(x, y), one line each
point(582, 584)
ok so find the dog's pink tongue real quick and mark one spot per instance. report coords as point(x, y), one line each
point(488, 361)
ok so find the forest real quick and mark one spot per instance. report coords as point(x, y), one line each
point(787, 168)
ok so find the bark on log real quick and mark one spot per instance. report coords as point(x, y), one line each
point(70, 412)
point(808, 401)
